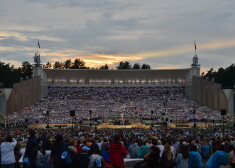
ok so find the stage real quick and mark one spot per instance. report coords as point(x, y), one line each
point(101, 126)
point(133, 125)
point(111, 126)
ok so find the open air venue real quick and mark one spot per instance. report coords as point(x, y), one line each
point(117, 84)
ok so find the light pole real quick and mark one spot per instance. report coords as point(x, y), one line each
point(48, 126)
point(194, 113)
point(152, 117)
point(176, 122)
point(48, 112)
point(72, 126)
point(90, 111)
point(223, 113)
point(103, 117)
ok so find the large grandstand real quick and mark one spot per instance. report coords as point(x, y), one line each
point(133, 104)
point(143, 96)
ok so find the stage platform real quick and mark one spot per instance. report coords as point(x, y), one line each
point(101, 126)
point(133, 125)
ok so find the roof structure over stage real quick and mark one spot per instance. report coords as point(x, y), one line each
point(92, 77)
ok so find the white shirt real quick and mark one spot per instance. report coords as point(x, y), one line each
point(161, 147)
point(173, 151)
point(99, 144)
point(7, 152)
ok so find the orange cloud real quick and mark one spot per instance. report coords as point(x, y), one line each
point(97, 60)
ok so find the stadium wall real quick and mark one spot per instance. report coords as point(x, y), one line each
point(2, 104)
point(23, 94)
point(4, 95)
point(230, 97)
point(39, 72)
point(209, 94)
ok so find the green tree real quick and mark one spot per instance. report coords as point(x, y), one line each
point(226, 76)
point(48, 65)
point(124, 65)
point(78, 64)
point(57, 65)
point(9, 75)
point(67, 64)
point(210, 74)
point(104, 67)
point(136, 66)
point(145, 66)
point(26, 70)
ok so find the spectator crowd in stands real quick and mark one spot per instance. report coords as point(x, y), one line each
point(105, 103)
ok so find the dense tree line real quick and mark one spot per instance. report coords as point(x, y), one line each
point(10, 75)
point(127, 65)
point(226, 76)
point(68, 64)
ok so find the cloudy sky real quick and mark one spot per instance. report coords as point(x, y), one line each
point(160, 33)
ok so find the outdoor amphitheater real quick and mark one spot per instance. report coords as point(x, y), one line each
point(62, 98)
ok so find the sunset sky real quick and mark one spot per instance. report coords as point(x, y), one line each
point(160, 33)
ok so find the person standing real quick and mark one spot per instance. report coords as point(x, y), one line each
point(31, 150)
point(153, 158)
point(205, 150)
point(93, 158)
point(117, 153)
point(106, 155)
point(219, 158)
point(182, 157)
point(143, 150)
point(195, 159)
point(133, 150)
point(7, 152)
point(17, 155)
point(167, 160)
point(83, 158)
point(57, 149)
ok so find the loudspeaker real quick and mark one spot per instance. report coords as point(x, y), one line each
point(26, 120)
point(223, 112)
point(47, 112)
point(194, 111)
point(152, 112)
point(72, 113)
point(90, 111)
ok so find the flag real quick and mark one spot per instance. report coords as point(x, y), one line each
point(195, 45)
point(38, 44)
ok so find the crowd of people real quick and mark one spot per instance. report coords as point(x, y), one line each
point(89, 147)
point(135, 103)
point(106, 148)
